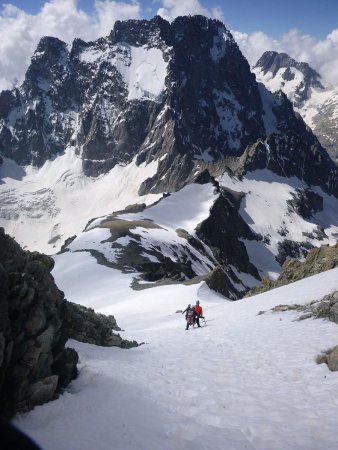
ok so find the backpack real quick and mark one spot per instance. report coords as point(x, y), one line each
point(190, 316)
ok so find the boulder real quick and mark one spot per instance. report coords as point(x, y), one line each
point(42, 391)
point(332, 359)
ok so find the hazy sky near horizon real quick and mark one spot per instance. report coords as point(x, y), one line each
point(305, 29)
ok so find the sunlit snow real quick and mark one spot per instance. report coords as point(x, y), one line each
point(264, 208)
point(42, 207)
point(243, 381)
point(315, 101)
point(142, 69)
point(145, 76)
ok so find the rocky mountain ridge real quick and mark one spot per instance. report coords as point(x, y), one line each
point(176, 93)
point(231, 232)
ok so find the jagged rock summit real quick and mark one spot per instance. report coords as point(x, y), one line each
point(173, 93)
point(286, 69)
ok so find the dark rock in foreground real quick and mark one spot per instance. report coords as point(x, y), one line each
point(31, 336)
point(35, 323)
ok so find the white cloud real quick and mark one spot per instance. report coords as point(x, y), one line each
point(321, 55)
point(109, 11)
point(174, 8)
point(20, 32)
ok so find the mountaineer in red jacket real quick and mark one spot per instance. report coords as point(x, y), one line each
point(198, 312)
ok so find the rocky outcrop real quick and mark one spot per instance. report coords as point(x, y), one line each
point(223, 230)
point(318, 260)
point(305, 203)
point(32, 341)
point(219, 280)
point(85, 325)
point(35, 323)
point(332, 359)
point(326, 308)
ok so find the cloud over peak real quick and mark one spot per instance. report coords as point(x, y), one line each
point(174, 8)
point(321, 55)
point(20, 33)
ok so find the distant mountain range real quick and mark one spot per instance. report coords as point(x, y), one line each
point(160, 151)
point(316, 102)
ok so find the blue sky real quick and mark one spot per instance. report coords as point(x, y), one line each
point(315, 17)
point(307, 30)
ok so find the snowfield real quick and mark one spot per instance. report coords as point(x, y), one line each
point(142, 69)
point(43, 207)
point(243, 381)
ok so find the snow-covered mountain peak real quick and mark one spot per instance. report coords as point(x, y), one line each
point(174, 93)
point(280, 71)
point(272, 61)
point(317, 102)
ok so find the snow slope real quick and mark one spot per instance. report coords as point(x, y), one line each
point(43, 207)
point(245, 381)
point(160, 229)
point(277, 81)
